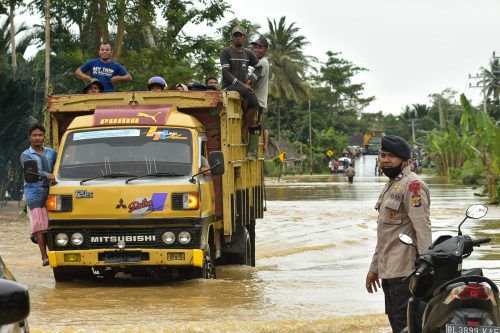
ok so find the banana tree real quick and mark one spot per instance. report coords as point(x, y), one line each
point(483, 143)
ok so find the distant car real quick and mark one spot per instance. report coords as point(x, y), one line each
point(14, 303)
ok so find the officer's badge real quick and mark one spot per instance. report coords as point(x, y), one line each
point(391, 213)
point(416, 201)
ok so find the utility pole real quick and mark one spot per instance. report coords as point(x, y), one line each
point(482, 77)
point(412, 123)
point(441, 114)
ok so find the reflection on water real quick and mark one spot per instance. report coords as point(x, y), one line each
point(313, 251)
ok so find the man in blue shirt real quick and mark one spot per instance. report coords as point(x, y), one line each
point(104, 69)
point(36, 194)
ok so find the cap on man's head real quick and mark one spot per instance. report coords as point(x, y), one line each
point(91, 82)
point(262, 41)
point(239, 29)
point(396, 145)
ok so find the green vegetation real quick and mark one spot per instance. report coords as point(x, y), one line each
point(150, 38)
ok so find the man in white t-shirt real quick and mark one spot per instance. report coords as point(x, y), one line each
point(261, 89)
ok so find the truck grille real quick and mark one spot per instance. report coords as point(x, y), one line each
point(97, 238)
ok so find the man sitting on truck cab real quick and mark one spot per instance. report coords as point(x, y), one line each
point(234, 61)
point(104, 69)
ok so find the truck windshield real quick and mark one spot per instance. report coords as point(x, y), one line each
point(135, 151)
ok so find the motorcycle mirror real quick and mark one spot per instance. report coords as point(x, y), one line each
point(405, 239)
point(473, 212)
point(476, 211)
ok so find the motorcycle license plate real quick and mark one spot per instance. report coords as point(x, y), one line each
point(454, 328)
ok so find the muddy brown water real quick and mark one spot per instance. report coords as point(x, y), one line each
point(313, 248)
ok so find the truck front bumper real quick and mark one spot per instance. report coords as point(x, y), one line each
point(135, 257)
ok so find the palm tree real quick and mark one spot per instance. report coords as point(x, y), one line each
point(491, 83)
point(288, 64)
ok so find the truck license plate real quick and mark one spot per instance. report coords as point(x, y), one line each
point(122, 257)
point(454, 328)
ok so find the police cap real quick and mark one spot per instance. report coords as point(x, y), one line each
point(396, 145)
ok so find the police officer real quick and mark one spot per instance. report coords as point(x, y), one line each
point(403, 207)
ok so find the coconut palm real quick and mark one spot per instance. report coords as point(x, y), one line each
point(491, 84)
point(288, 64)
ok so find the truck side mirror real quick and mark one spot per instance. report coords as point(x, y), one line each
point(14, 302)
point(31, 174)
point(216, 160)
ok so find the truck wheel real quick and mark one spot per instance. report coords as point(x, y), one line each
point(67, 274)
point(245, 257)
point(207, 271)
point(63, 274)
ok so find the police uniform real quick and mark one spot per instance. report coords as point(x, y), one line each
point(404, 207)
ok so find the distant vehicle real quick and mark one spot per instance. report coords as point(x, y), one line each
point(14, 303)
point(372, 141)
point(344, 163)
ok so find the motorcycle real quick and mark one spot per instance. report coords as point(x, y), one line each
point(447, 298)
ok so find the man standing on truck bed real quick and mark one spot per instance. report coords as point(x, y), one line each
point(261, 88)
point(235, 61)
point(36, 194)
point(403, 207)
point(104, 69)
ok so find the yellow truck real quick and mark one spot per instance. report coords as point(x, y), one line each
point(129, 195)
point(372, 141)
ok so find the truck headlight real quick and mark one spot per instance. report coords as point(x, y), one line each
point(190, 201)
point(59, 203)
point(61, 239)
point(168, 237)
point(77, 239)
point(184, 237)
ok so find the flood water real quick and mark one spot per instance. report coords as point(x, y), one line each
point(313, 249)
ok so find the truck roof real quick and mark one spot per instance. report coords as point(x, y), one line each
point(134, 115)
point(182, 99)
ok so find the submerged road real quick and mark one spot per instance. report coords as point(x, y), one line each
point(313, 248)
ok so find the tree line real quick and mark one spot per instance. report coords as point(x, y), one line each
point(149, 38)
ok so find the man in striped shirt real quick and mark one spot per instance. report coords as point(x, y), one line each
point(235, 61)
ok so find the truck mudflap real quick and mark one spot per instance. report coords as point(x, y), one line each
point(132, 257)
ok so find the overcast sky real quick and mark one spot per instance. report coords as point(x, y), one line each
point(411, 48)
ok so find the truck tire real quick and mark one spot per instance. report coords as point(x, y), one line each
point(245, 257)
point(207, 271)
point(67, 274)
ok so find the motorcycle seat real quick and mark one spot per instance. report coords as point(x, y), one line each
point(472, 271)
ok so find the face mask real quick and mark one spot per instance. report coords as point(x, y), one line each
point(392, 172)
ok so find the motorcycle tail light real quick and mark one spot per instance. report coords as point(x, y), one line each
point(471, 291)
point(473, 322)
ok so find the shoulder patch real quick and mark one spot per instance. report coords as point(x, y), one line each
point(414, 188)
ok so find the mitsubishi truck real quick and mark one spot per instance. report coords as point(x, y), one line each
point(129, 194)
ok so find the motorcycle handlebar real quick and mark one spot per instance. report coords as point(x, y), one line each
point(422, 268)
point(479, 241)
